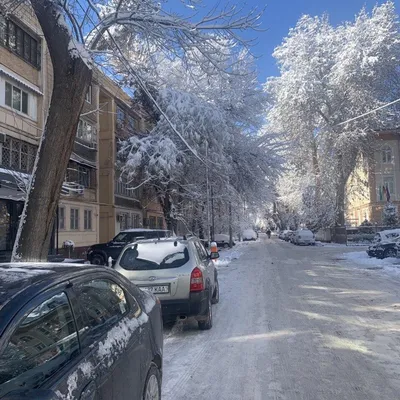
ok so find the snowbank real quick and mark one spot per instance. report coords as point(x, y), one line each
point(360, 259)
point(227, 256)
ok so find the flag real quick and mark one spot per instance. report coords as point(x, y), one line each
point(387, 193)
point(380, 194)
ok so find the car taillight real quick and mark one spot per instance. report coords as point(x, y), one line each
point(196, 280)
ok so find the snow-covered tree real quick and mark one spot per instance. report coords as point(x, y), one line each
point(329, 75)
point(389, 216)
point(80, 33)
point(220, 120)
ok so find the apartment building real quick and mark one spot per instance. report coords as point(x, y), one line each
point(367, 187)
point(96, 201)
point(123, 205)
point(25, 88)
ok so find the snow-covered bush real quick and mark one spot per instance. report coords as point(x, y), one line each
point(389, 216)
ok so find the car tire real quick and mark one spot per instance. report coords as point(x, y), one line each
point(226, 245)
point(208, 323)
point(98, 259)
point(152, 386)
point(215, 298)
point(390, 253)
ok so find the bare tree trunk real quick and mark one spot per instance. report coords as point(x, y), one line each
point(71, 80)
point(340, 193)
point(166, 205)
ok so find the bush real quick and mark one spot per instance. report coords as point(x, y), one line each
point(361, 238)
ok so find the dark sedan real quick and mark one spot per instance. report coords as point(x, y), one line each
point(77, 332)
point(385, 250)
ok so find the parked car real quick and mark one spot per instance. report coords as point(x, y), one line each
point(222, 240)
point(303, 236)
point(387, 236)
point(180, 272)
point(286, 235)
point(98, 254)
point(249, 234)
point(387, 249)
point(77, 332)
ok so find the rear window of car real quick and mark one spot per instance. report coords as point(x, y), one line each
point(157, 255)
point(132, 236)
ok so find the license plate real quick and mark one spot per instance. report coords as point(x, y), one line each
point(156, 289)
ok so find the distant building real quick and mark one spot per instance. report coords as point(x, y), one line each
point(367, 187)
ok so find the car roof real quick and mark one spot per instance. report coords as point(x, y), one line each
point(19, 282)
point(389, 231)
point(144, 230)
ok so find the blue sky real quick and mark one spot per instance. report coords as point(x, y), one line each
point(281, 15)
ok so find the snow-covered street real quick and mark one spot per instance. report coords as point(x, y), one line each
point(293, 323)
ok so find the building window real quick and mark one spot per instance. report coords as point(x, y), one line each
point(123, 188)
point(19, 41)
point(87, 133)
point(61, 218)
point(74, 218)
point(152, 222)
point(16, 98)
point(18, 155)
point(387, 156)
point(136, 221)
point(84, 176)
point(160, 222)
point(120, 117)
point(88, 96)
point(124, 120)
point(383, 188)
point(87, 221)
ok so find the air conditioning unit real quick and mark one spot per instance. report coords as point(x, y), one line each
point(3, 137)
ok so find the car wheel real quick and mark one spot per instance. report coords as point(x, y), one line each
point(390, 253)
point(98, 259)
point(215, 298)
point(226, 245)
point(152, 386)
point(207, 324)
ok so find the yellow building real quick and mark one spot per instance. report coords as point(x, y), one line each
point(96, 202)
point(365, 190)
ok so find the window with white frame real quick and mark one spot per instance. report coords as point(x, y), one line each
point(88, 96)
point(18, 155)
point(16, 98)
point(387, 156)
point(87, 133)
point(61, 218)
point(87, 220)
point(74, 218)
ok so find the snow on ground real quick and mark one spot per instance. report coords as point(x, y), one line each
point(360, 259)
point(292, 323)
point(229, 255)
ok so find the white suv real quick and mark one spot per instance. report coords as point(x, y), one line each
point(179, 271)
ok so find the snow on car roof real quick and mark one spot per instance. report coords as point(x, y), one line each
point(144, 230)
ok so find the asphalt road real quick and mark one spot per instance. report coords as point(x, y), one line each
point(292, 324)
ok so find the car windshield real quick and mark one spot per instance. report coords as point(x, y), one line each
point(157, 255)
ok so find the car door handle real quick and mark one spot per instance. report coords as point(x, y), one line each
point(89, 392)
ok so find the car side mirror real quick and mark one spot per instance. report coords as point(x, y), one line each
point(31, 395)
point(214, 255)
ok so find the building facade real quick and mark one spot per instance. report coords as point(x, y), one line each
point(368, 187)
point(96, 202)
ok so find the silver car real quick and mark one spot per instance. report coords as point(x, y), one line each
point(179, 271)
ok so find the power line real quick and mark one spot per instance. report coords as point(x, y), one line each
point(369, 112)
